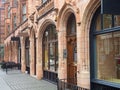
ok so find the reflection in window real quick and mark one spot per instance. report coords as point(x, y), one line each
point(117, 20)
point(107, 20)
point(50, 49)
point(108, 56)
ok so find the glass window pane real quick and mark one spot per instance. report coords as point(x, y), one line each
point(50, 50)
point(52, 56)
point(107, 21)
point(46, 57)
point(108, 57)
point(117, 20)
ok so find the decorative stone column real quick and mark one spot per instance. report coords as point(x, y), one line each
point(23, 65)
point(32, 56)
point(39, 70)
point(62, 70)
point(83, 73)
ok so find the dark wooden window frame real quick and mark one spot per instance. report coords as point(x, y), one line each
point(55, 41)
point(97, 83)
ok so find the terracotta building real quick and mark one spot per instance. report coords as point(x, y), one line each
point(64, 39)
point(2, 33)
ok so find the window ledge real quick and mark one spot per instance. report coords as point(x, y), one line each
point(106, 83)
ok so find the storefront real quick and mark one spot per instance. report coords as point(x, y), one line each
point(105, 52)
point(50, 53)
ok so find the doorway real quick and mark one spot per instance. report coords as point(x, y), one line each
point(72, 50)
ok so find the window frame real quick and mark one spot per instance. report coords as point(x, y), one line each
point(51, 40)
point(93, 63)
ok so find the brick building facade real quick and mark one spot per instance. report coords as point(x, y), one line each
point(52, 39)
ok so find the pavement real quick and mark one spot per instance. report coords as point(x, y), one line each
point(15, 80)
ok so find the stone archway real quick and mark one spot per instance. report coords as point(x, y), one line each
point(39, 53)
point(83, 35)
point(64, 53)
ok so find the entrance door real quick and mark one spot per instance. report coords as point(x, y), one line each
point(72, 50)
point(72, 60)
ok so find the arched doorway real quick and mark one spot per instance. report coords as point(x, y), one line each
point(72, 50)
point(27, 55)
point(50, 53)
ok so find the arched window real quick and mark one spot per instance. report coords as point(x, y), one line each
point(50, 49)
point(105, 47)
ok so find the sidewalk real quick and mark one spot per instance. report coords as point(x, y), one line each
point(15, 80)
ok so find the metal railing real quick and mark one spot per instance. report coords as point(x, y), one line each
point(62, 84)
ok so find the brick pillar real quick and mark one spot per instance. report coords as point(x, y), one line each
point(32, 56)
point(23, 65)
point(83, 73)
point(39, 70)
point(62, 70)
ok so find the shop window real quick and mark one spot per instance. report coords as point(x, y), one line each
point(106, 48)
point(108, 56)
point(106, 21)
point(50, 49)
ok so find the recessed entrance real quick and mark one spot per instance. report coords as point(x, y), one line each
point(27, 56)
point(72, 50)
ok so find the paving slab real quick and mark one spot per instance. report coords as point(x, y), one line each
point(15, 80)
